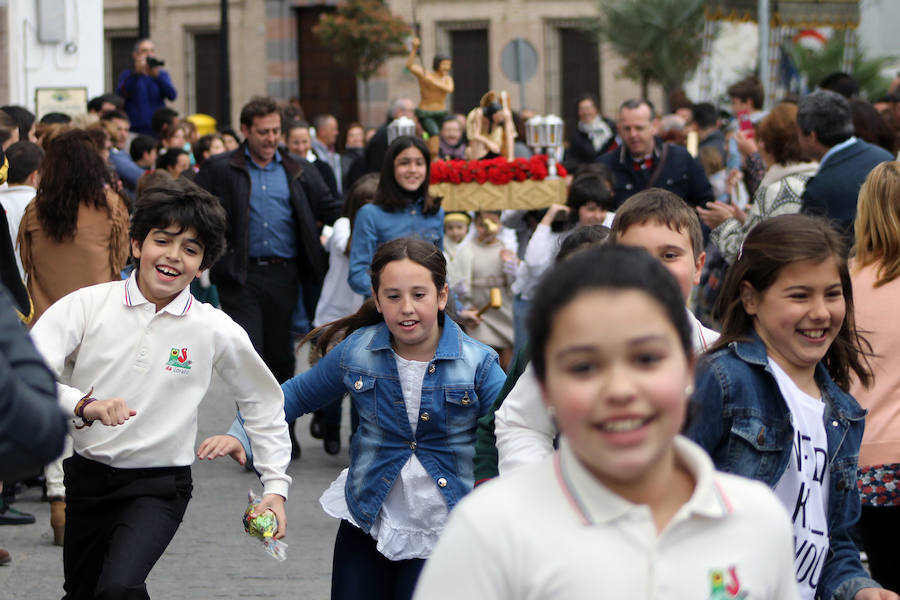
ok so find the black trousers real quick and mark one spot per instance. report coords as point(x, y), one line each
point(264, 307)
point(361, 572)
point(118, 523)
point(879, 527)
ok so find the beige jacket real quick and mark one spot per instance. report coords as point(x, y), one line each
point(95, 254)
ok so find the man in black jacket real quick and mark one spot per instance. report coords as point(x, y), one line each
point(826, 134)
point(644, 161)
point(272, 234)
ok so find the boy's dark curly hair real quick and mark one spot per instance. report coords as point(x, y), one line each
point(181, 202)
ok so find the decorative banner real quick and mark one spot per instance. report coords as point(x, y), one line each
point(840, 14)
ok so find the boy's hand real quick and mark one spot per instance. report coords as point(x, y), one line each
point(111, 412)
point(275, 503)
point(222, 445)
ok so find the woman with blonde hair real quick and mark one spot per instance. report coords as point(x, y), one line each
point(875, 273)
point(779, 191)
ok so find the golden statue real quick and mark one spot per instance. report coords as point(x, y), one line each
point(434, 86)
point(490, 128)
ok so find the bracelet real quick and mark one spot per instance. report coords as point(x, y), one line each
point(79, 409)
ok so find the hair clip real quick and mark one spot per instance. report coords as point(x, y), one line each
point(741, 249)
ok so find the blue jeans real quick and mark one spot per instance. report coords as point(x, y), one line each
point(361, 572)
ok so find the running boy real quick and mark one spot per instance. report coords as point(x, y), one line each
point(138, 356)
point(665, 226)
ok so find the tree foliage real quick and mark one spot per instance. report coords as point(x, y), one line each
point(661, 41)
point(815, 65)
point(363, 34)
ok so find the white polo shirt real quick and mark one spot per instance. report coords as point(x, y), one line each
point(110, 338)
point(552, 531)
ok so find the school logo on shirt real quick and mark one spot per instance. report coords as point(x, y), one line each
point(725, 588)
point(178, 361)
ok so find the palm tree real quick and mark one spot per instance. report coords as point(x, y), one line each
point(815, 65)
point(660, 40)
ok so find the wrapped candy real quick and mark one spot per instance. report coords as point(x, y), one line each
point(263, 527)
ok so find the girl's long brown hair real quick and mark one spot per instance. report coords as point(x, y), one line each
point(72, 173)
point(768, 248)
point(390, 195)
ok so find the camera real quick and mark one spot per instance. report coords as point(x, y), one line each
point(154, 62)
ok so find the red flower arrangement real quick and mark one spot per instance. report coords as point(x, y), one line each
point(498, 171)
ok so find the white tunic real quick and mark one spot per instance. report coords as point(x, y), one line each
point(337, 299)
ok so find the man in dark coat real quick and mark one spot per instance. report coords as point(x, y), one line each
point(643, 161)
point(826, 134)
point(272, 235)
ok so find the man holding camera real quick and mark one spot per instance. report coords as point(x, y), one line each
point(145, 88)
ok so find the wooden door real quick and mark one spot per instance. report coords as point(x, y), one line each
point(121, 49)
point(325, 86)
point(471, 71)
point(208, 75)
point(580, 70)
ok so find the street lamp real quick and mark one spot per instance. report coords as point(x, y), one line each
point(400, 126)
point(545, 132)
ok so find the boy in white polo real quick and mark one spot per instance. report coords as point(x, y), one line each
point(138, 356)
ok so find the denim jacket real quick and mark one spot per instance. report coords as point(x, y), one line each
point(374, 226)
point(742, 420)
point(460, 385)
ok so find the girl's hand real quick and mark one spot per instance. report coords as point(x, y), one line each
point(551, 213)
point(222, 445)
point(112, 412)
point(275, 503)
point(715, 213)
point(875, 594)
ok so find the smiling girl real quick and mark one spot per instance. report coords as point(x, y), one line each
point(402, 207)
point(419, 385)
point(626, 508)
point(772, 394)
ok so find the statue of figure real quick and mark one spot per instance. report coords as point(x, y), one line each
point(490, 128)
point(433, 89)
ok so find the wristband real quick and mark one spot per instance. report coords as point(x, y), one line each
point(79, 409)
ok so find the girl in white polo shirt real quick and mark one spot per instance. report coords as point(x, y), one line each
point(626, 508)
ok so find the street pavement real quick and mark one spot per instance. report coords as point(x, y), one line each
point(210, 556)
